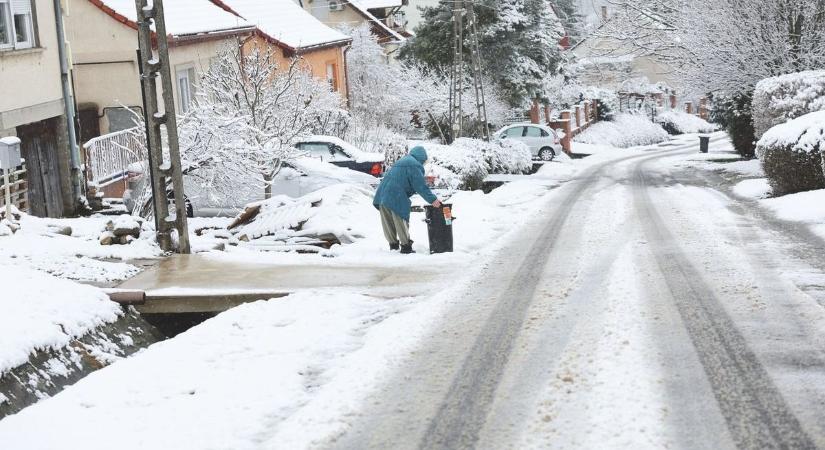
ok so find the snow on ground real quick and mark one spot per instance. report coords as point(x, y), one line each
point(39, 311)
point(280, 373)
point(625, 130)
point(806, 207)
point(753, 188)
point(79, 256)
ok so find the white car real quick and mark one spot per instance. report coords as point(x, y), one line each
point(544, 142)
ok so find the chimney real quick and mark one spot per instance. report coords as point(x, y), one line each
point(604, 13)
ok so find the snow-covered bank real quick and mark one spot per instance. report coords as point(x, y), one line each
point(258, 376)
point(805, 207)
point(39, 311)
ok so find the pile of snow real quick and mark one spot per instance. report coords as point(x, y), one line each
point(678, 122)
point(625, 130)
point(755, 188)
point(778, 99)
point(467, 161)
point(39, 311)
point(332, 211)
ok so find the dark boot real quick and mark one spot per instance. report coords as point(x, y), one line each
point(407, 249)
point(395, 246)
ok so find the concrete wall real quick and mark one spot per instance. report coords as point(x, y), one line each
point(30, 89)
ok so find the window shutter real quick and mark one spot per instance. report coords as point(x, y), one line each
point(21, 6)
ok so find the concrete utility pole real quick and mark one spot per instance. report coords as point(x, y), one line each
point(163, 173)
point(462, 9)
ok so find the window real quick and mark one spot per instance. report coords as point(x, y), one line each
point(533, 132)
point(186, 90)
point(332, 76)
point(515, 132)
point(16, 24)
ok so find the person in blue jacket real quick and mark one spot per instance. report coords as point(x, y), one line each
point(392, 199)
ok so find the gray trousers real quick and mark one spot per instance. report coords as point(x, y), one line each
point(396, 229)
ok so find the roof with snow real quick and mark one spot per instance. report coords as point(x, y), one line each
point(286, 22)
point(360, 7)
point(372, 4)
point(183, 17)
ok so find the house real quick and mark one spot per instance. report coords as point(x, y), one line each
point(106, 77)
point(32, 105)
point(385, 17)
point(607, 62)
point(295, 33)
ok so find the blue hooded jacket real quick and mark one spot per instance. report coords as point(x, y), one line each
point(405, 178)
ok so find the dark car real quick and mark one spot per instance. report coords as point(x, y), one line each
point(336, 151)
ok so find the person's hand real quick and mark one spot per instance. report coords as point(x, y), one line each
point(437, 203)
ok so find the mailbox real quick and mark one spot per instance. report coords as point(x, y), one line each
point(9, 153)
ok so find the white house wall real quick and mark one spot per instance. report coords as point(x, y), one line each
point(30, 88)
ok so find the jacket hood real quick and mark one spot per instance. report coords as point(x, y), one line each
point(419, 154)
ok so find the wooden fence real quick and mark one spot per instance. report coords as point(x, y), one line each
point(19, 189)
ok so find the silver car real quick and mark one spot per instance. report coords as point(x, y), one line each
point(544, 142)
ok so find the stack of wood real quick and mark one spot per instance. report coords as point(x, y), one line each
point(121, 231)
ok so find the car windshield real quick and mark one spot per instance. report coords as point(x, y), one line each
point(316, 150)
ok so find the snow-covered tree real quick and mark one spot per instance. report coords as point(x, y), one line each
point(246, 115)
point(724, 45)
point(394, 98)
point(518, 42)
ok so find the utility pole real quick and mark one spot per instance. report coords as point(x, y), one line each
point(163, 173)
point(462, 9)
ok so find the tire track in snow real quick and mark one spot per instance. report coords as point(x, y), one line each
point(463, 412)
point(756, 414)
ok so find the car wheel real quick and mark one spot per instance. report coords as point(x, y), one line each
point(547, 154)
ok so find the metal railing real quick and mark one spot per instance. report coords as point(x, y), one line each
point(108, 157)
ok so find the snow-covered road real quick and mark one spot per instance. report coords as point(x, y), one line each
point(645, 310)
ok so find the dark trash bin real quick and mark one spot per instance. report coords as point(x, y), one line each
point(440, 227)
point(704, 143)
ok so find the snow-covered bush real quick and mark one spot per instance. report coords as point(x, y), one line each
point(500, 157)
point(464, 162)
point(467, 162)
point(625, 130)
point(408, 96)
point(678, 122)
point(791, 154)
point(779, 99)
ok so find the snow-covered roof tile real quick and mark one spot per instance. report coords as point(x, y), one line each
point(183, 17)
point(362, 9)
point(286, 22)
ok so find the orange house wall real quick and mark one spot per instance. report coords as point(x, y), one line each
point(314, 61)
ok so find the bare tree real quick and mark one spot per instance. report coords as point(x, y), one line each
point(246, 115)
